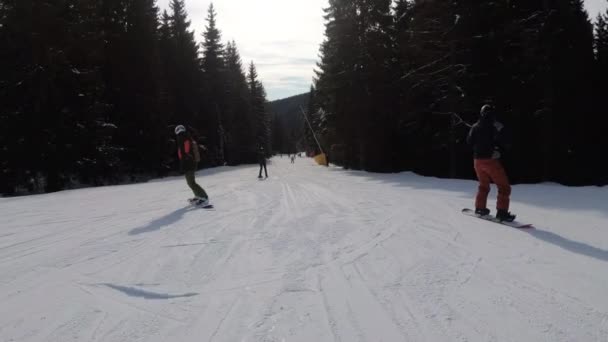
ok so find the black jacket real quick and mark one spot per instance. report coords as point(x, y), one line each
point(262, 156)
point(488, 138)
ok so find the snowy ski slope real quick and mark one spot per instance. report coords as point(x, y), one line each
point(311, 254)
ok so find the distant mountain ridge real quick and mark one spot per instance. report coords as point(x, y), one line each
point(288, 123)
point(289, 104)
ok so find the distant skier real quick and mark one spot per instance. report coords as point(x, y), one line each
point(189, 157)
point(293, 158)
point(488, 138)
point(262, 161)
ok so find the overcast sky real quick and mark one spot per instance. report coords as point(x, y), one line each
point(281, 37)
point(595, 7)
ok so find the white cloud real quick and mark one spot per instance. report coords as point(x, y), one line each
point(282, 37)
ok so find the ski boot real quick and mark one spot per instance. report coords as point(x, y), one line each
point(200, 201)
point(504, 215)
point(482, 211)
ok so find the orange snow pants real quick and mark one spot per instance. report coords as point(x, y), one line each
point(491, 170)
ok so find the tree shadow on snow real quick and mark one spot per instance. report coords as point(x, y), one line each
point(135, 292)
point(569, 245)
point(164, 221)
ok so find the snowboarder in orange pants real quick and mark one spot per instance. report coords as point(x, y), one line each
point(487, 138)
point(490, 170)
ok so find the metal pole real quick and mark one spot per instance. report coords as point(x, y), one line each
point(312, 130)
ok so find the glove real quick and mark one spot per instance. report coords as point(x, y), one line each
point(498, 126)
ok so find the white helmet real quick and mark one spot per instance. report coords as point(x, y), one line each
point(179, 129)
point(487, 110)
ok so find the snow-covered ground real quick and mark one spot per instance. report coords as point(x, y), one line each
point(311, 254)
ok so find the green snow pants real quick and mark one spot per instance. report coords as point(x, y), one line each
point(196, 189)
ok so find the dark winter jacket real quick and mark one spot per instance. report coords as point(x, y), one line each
point(488, 139)
point(262, 157)
point(187, 153)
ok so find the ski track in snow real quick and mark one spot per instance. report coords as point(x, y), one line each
point(310, 254)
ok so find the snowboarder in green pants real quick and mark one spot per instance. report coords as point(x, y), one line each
point(189, 157)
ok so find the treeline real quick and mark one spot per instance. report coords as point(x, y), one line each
point(90, 91)
point(288, 124)
point(399, 81)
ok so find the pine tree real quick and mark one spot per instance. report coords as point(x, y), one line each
point(238, 123)
point(338, 83)
point(601, 121)
point(213, 67)
point(167, 54)
point(601, 49)
point(257, 105)
point(377, 61)
point(601, 42)
point(17, 73)
point(455, 56)
point(51, 94)
point(94, 153)
point(566, 41)
point(132, 44)
point(356, 82)
point(213, 50)
point(403, 12)
point(185, 77)
point(149, 123)
point(88, 89)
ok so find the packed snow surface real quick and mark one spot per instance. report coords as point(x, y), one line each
point(310, 254)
